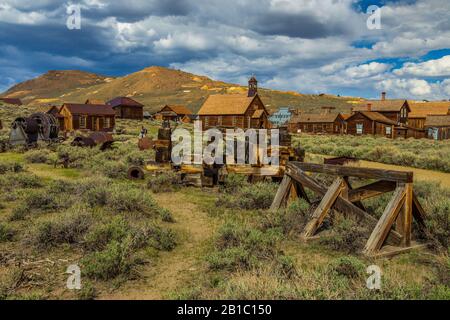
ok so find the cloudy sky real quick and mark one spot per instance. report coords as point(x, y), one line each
point(310, 46)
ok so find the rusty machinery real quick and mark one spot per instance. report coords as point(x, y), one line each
point(103, 139)
point(210, 175)
point(30, 130)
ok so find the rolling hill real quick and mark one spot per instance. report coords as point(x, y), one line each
point(154, 87)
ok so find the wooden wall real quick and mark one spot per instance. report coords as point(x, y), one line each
point(125, 112)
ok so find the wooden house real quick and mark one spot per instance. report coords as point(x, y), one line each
point(235, 110)
point(395, 110)
point(420, 111)
point(438, 127)
point(371, 123)
point(173, 113)
point(324, 123)
point(127, 108)
point(12, 101)
point(87, 117)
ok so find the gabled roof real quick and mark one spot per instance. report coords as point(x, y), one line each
point(178, 109)
point(382, 105)
point(437, 121)
point(257, 114)
point(316, 118)
point(14, 101)
point(124, 101)
point(345, 116)
point(89, 109)
point(226, 104)
point(375, 116)
point(424, 109)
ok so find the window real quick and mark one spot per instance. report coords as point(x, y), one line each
point(359, 128)
point(388, 131)
point(83, 122)
point(107, 122)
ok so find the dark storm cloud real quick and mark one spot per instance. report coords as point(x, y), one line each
point(298, 26)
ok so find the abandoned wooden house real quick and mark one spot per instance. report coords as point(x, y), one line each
point(371, 123)
point(12, 101)
point(325, 123)
point(420, 111)
point(87, 117)
point(235, 110)
point(173, 113)
point(127, 108)
point(438, 127)
point(395, 110)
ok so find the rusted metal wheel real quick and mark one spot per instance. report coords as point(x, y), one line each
point(136, 173)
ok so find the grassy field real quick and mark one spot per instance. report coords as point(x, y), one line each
point(418, 153)
point(154, 239)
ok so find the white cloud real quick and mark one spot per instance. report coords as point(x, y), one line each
point(431, 68)
point(367, 70)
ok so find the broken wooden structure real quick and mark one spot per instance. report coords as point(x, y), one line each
point(391, 233)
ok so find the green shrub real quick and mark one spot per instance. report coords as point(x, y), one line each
point(70, 228)
point(347, 266)
point(160, 238)
point(346, 235)
point(101, 235)
point(42, 200)
point(107, 264)
point(124, 199)
point(39, 156)
point(233, 182)
point(14, 167)
point(252, 196)
point(20, 180)
point(6, 233)
point(87, 292)
point(163, 182)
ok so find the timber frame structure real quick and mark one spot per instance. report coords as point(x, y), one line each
point(391, 233)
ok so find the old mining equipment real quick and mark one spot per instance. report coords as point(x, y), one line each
point(37, 127)
point(211, 175)
point(103, 139)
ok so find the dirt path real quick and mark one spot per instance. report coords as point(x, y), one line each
point(175, 268)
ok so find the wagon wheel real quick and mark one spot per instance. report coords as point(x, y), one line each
point(136, 173)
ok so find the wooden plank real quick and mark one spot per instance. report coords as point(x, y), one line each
point(282, 193)
point(340, 204)
point(323, 208)
point(407, 215)
point(358, 203)
point(418, 212)
point(368, 173)
point(371, 190)
point(301, 192)
point(390, 251)
point(385, 223)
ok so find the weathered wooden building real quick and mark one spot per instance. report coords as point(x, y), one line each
point(173, 113)
point(395, 110)
point(235, 110)
point(94, 101)
point(420, 111)
point(127, 108)
point(87, 117)
point(371, 123)
point(324, 123)
point(438, 127)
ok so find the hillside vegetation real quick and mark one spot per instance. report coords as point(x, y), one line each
point(154, 87)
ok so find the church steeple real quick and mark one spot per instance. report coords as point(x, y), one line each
point(252, 86)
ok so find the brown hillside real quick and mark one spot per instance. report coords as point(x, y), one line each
point(154, 87)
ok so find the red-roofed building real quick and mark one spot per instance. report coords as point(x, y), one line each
point(127, 108)
point(87, 117)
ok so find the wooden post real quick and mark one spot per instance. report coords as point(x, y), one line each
point(407, 215)
point(384, 225)
point(323, 208)
point(282, 193)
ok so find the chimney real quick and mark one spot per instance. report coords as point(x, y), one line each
point(383, 96)
point(369, 107)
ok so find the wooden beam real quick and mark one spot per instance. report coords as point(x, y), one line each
point(323, 208)
point(282, 193)
point(384, 225)
point(367, 173)
point(341, 204)
point(302, 192)
point(407, 215)
point(418, 212)
point(371, 190)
